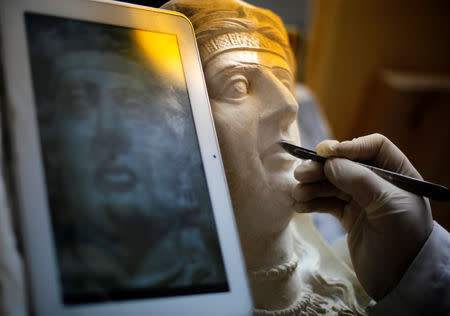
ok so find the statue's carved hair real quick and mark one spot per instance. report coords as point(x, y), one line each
point(214, 18)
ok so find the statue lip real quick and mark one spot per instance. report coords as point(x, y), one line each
point(274, 151)
point(115, 178)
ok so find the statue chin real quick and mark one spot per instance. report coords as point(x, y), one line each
point(264, 205)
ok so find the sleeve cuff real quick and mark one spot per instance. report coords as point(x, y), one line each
point(425, 287)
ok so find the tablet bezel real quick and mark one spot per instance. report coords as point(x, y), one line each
point(29, 175)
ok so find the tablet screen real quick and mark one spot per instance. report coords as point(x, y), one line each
point(127, 195)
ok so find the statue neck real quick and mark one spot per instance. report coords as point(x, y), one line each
point(285, 278)
point(265, 250)
point(271, 266)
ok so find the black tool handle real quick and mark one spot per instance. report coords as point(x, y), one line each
point(420, 187)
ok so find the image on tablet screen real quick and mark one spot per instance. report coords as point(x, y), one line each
point(127, 195)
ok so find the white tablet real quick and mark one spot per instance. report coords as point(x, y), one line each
point(121, 191)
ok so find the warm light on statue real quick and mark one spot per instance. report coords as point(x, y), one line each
point(249, 72)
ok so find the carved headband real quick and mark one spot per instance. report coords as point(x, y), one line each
point(239, 41)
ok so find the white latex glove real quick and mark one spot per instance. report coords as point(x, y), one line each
point(386, 225)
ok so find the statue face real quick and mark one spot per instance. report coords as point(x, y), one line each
point(254, 108)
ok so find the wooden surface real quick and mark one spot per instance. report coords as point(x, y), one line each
point(351, 40)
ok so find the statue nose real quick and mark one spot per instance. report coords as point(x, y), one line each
point(111, 135)
point(111, 141)
point(108, 116)
point(280, 105)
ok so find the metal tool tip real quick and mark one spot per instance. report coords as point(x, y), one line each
point(285, 146)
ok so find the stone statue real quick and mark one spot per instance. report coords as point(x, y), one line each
point(249, 71)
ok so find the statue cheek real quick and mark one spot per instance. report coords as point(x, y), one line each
point(234, 122)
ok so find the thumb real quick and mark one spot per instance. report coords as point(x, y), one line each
point(360, 183)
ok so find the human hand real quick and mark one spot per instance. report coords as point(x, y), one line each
point(386, 225)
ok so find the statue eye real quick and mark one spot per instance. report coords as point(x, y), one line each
point(236, 88)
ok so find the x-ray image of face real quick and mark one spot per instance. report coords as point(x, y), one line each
point(129, 203)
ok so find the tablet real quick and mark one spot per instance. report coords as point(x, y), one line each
point(120, 187)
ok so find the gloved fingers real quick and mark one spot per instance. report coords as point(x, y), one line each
point(380, 151)
point(309, 171)
point(352, 217)
point(304, 192)
point(330, 205)
point(375, 149)
point(360, 183)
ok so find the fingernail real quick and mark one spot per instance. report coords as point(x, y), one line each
point(333, 145)
point(300, 207)
point(327, 148)
point(305, 164)
point(296, 192)
point(302, 169)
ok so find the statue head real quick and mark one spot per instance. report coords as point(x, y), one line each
point(249, 72)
